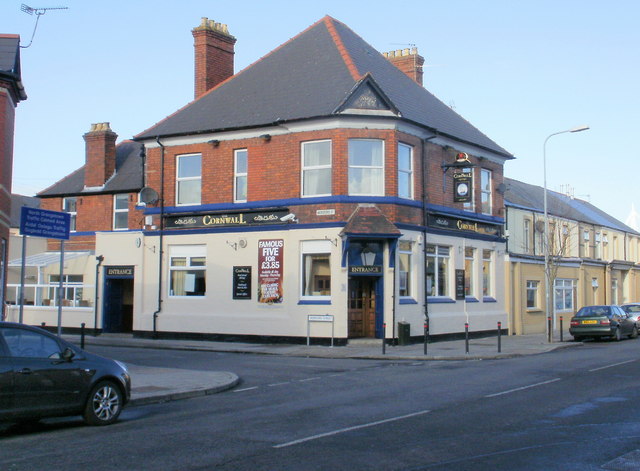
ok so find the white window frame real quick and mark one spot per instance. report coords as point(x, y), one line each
point(486, 183)
point(73, 214)
point(310, 248)
point(469, 272)
point(237, 175)
point(435, 257)
point(189, 252)
point(372, 168)
point(532, 286)
point(487, 274)
point(180, 180)
point(117, 211)
point(307, 170)
point(563, 285)
point(407, 193)
point(405, 278)
point(526, 235)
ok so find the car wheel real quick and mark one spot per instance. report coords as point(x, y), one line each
point(578, 338)
point(634, 332)
point(104, 404)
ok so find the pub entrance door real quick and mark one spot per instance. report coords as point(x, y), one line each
point(362, 306)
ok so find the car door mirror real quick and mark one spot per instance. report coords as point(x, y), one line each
point(68, 354)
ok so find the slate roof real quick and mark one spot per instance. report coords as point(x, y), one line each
point(128, 176)
point(311, 76)
point(17, 202)
point(10, 62)
point(525, 196)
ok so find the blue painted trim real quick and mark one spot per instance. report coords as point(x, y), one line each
point(489, 299)
point(314, 302)
point(286, 202)
point(471, 299)
point(438, 300)
point(407, 301)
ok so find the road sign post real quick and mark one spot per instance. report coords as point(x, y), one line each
point(37, 222)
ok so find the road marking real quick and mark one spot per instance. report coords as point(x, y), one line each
point(523, 388)
point(279, 384)
point(245, 389)
point(309, 379)
point(611, 366)
point(349, 429)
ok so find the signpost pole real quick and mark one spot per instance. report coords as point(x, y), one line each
point(60, 284)
point(22, 265)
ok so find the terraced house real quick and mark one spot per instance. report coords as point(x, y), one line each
point(593, 258)
point(321, 191)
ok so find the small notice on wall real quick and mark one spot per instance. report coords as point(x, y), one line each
point(270, 270)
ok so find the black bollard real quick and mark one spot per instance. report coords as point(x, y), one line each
point(384, 333)
point(82, 336)
point(466, 337)
point(499, 337)
point(426, 336)
point(561, 334)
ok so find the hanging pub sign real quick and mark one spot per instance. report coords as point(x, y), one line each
point(241, 282)
point(462, 187)
point(270, 270)
point(247, 218)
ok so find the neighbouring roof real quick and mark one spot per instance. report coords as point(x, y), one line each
point(314, 75)
point(10, 62)
point(530, 197)
point(17, 202)
point(128, 176)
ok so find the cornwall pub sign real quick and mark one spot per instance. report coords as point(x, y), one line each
point(204, 220)
point(464, 225)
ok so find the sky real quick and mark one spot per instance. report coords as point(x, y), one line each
point(519, 71)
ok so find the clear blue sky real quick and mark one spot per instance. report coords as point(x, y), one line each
point(517, 70)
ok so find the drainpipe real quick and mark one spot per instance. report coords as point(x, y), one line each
point(100, 259)
point(160, 251)
point(424, 223)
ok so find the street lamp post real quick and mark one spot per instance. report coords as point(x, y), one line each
point(547, 275)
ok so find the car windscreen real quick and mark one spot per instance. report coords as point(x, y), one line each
point(594, 311)
point(631, 308)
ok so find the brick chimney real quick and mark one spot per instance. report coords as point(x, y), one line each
point(408, 61)
point(100, 160)
point(214, 50)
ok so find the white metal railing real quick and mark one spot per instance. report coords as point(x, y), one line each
point(46, 295)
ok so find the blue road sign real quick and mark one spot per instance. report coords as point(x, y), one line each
point(44, 223)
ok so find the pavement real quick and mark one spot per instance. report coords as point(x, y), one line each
point(154, 385)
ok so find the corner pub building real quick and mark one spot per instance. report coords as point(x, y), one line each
point(318, 183)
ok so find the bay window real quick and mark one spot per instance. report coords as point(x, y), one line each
point(366, 167)
point(316, 168)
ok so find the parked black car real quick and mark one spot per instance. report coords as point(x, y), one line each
point(42, 375)
point(602, 321)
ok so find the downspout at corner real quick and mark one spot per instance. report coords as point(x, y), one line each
point(160, 243)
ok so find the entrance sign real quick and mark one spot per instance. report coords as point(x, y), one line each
point(44, 223)
point(270, 270)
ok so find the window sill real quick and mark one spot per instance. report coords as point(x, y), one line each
point(440, 300)
point(314, 301)
point(489, 299)
point(534, 310)
point(471, 299)
point(407, 300)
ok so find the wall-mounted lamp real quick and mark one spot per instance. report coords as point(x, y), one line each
point(265, 137)
point(368, 256)
point(214, 142)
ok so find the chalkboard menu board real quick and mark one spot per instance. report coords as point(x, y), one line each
point(241, 282)
point(460, 285)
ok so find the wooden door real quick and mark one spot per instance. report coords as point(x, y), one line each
point(362, 307)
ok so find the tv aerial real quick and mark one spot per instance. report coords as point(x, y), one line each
point(39, 12)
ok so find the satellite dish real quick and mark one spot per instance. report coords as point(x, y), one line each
point(148, 195)
point(502, 188)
